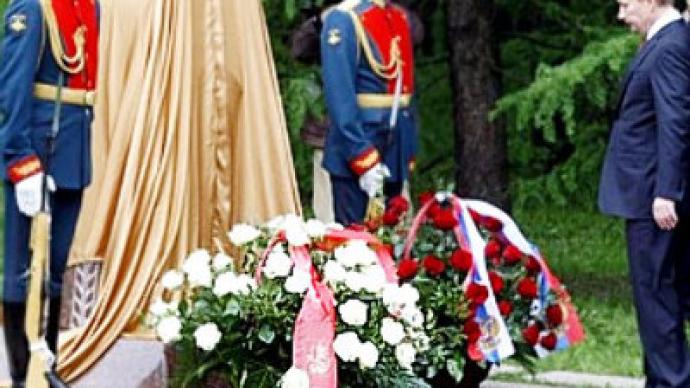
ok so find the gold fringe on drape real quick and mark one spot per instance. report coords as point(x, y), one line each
point(189, 137)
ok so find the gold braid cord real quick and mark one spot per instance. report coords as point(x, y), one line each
point(74, 64)
point(388, 71)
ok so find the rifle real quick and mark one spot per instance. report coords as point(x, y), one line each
point(41, 373)
point(41, 357)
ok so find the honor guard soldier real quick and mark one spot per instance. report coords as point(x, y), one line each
point(48, 70)
point(367, 59)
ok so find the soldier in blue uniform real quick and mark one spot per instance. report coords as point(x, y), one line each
point(367, 59)
point(46, 43)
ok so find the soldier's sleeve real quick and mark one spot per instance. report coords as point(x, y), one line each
point(339, 57)
point(21, 47)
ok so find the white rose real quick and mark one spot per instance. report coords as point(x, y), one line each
point(392, 332)
point(368, 355)
point(355, 281)
point(355, 253)
point(354, 312)
point(333, 272)
point(242, 234)
point(275, 223)
point(315, 228)
point(375, 278)
point(278, 264)
point(390, 294)
point(295, 378)
point(197, 258)
point(207, 336)
point(221, 261)
point(408, 295)
point(201, 277)
point(168, 329)
point(172, 280)
point(413, 316)
point(345, 256)
point(405, 353)
point(297, 283)
point(295, 231)
point(346, 346)
point(198, 270)
point(159, 308)
point(225, 284)
point(365, 255)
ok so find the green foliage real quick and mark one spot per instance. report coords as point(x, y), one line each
point(558, 125)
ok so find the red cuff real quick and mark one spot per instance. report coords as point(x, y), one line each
point(365, 161)
point(24, 168)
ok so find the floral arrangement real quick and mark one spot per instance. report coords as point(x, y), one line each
point(316, 302)
point(388, 304)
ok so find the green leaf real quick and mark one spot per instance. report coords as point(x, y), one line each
point(232, 308)
point(266, 334)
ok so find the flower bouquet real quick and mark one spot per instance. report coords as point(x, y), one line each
point(318, 306)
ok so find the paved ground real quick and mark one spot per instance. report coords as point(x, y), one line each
point(135, 363)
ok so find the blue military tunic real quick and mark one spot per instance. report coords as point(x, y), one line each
point(26, 59)
point(367, 60)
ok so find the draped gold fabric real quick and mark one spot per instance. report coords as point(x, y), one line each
point(188, 138)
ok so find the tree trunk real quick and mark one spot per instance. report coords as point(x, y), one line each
point(480, 145)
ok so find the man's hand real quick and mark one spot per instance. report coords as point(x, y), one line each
point(28, 193)
point(664, 211)
point(372, 181)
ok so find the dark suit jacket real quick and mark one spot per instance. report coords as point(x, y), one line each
point(648, 153)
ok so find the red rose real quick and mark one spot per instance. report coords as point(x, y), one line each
point(505, 308)
point(399, 204)
point(407, 269)
point(461, 260)
point(549, 341)
point(476, 293)
point(532, 265)
point(531, 334)
point(433, 266)
point(493, 249)
point(496, 282)
point(433, 210)
point(527, 288)
point(472, 331)
point(512, 255)
point(426, 197)
point(391, 217)
point(491, 224)
point(554, 314)
point(445, 219)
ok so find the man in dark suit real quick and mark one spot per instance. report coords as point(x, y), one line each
point(645, 181)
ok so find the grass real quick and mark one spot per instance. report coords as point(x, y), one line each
point(587, 251)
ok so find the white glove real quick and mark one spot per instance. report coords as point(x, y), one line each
point(28, 193)
point(372, 180)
